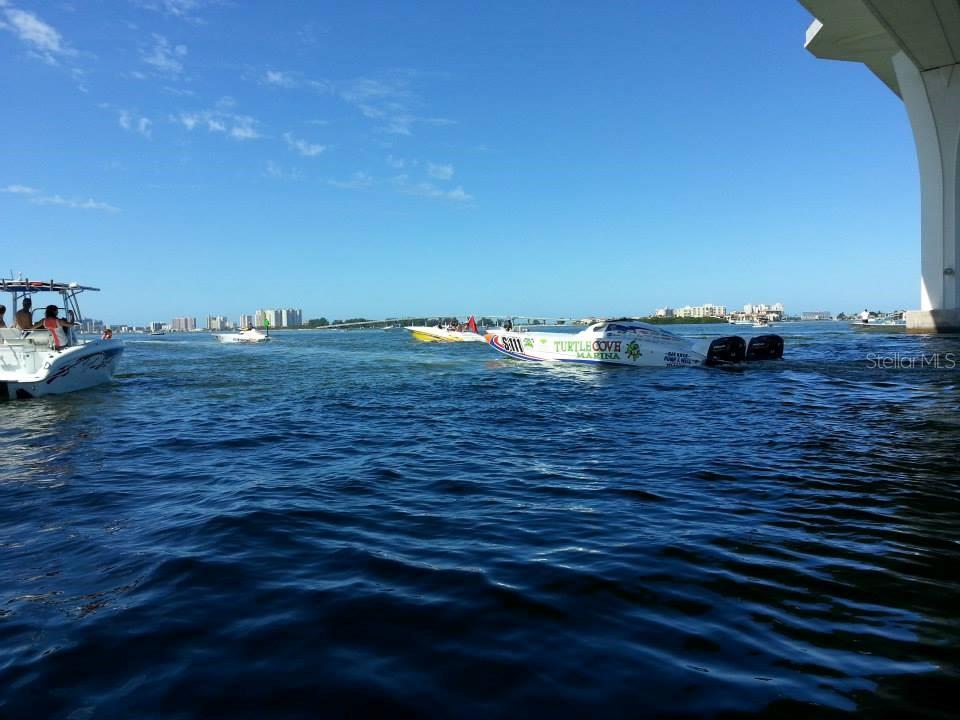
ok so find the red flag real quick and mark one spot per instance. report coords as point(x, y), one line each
point(472, 325)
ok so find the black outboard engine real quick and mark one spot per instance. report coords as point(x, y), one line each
point(765, 347)
point(731, 349)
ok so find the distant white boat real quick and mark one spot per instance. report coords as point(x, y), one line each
point(892, 323)
point(250, 336)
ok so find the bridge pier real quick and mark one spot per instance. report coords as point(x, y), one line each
point(932, 98)
point(914, 48)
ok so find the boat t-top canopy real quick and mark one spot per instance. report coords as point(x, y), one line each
point(24, 287)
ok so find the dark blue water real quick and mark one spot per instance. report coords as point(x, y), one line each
point(355, 524)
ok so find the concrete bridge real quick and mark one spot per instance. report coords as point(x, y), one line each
point(913, 46)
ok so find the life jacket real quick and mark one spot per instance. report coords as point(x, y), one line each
point(53, 325)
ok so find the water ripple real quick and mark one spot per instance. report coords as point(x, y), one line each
point(353, 524)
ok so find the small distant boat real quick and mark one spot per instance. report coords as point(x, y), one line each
point(740, 321)
point(392, 327)
point(157, 333)
point(250, 336)
point(892, 323)
point(762, 321)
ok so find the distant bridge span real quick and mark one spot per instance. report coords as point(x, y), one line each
point(914, 47)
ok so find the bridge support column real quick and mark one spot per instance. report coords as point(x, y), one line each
point(932, 98)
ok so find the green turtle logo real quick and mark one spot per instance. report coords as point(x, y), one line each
point(633, 350)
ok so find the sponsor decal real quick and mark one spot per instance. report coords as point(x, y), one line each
point(679, 358)
point(589, 349)
point(96, 361)
point(511, 344)
point(633, 350)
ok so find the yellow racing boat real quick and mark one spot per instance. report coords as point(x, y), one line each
point(438, 333)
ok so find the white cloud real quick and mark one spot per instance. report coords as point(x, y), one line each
point(429, 190)
point(34, 196)
point(280, 173)
point(165, 57)
point(395, 162)
point(88, 204)
point(131, 123)
point(294, 80)
point(357, 181)
point(280, 79)
point(303, 147)
point(182, 9)
point(44, 41)
point(238, 127)
point(391, 102)
point(440, 172)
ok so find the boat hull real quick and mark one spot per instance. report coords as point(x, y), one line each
point(435, 334)
point(634, 344)
point(240, 338)
point(73, 369)
point(598, 350)
point(879, 327)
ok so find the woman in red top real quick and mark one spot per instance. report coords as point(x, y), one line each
point(53, 323)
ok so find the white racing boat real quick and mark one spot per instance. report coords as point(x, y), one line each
point(250, 336)
point(630, 342)
point(39, 362)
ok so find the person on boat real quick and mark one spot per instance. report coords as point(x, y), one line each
point(107, 334)
point(24, 317)
point(3, 312)
point(53, 323)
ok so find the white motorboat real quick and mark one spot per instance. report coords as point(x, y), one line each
point(39, 362)
point(630, 342)
point(895, 322)
point(740, 321)
point(762, 321)
point(250, 336)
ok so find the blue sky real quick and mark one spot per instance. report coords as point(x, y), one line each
point(197, 157)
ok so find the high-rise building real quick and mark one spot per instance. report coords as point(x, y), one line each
point(216, 322)
point(291, 318)
point(156, 326)
point(183, 324)
point(269, 318)
point(701, 311)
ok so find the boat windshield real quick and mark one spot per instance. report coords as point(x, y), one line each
point(631, 327)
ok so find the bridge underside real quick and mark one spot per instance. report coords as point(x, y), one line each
point(914, 48)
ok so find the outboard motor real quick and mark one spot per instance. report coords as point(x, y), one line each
point(765, 347)
point(730, 349)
